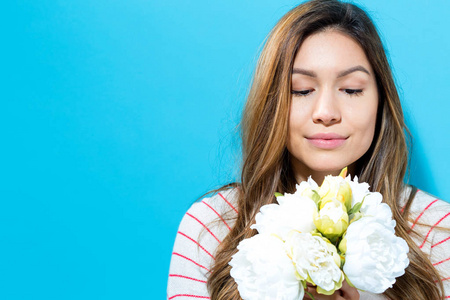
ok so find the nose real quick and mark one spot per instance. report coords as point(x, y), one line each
point(326, 109)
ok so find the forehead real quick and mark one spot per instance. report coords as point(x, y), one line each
point(330, 51)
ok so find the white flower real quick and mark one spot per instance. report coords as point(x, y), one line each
point(373, 207)
point(263, 271)
point(359, 189)
point(315, 260)
point(375, 256)
point(308, 189)
point(292, 212)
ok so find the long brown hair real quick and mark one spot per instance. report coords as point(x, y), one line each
point(266, 167)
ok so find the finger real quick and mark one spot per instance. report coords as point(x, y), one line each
point(335, 296)
point(311, 290)
point(349, 292)
point(306, 297)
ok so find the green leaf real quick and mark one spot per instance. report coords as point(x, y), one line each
point(355, 208)
point(319, 203)
point(342, 256)
point(354, 217)
point(315, 197)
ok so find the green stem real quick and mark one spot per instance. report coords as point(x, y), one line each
point(310, 295)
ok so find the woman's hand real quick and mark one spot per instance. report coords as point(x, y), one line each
point(345, 293)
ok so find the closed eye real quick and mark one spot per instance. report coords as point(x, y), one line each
point(353, 92)
point(350, 92)
point(301, 93)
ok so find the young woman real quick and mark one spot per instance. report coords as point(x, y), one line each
point(322, 98)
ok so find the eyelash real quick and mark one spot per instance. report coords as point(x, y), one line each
point(353, 92)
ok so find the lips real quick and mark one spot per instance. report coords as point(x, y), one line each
point(327, 141)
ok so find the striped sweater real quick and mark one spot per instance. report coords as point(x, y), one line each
point(206, 224)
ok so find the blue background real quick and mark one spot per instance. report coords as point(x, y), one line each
point(117, 115)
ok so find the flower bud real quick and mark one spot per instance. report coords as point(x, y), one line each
point(332, 219)
point(336, 187)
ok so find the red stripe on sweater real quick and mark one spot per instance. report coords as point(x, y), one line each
point(442, 261)
point(432, 227)
point(190, 296)
point(444, 279)
point(228, 202)
point(428, 206)
point(438, 243)
point(403, 208)
point(204, 226)
point(217, 214)
point(185, 235)
point(175, 253)
point(185, 277)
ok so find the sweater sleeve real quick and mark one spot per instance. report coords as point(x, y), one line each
point(201, 231)
point(440, 244)
point(432, 221)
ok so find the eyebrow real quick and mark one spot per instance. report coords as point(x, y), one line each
point(340, 74)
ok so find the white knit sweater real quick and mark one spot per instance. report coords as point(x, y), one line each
point(206, 224)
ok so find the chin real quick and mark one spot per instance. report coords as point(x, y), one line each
point(330, 168)
point(322, 165)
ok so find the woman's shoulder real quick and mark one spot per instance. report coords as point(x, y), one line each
point(220, 207)
point(429, 216)
point(211, 218)
point(202, 229)
point(429, 210)
point(221, 202)
point(431, 219)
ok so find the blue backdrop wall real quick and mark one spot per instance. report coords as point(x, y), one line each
point(117, 115)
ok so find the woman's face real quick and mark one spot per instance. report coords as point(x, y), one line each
point(334, 105)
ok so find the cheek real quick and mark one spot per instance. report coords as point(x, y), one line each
point(297, 119)
point(365, 123)
point(299, 113)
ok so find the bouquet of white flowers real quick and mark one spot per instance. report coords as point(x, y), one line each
point(320, 235)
